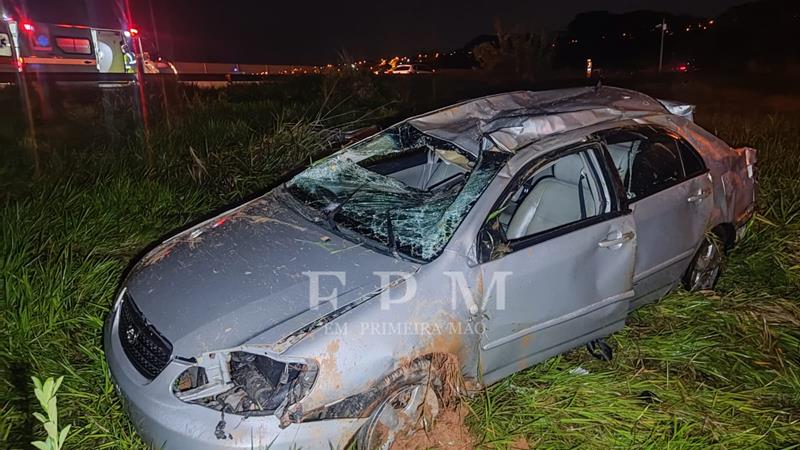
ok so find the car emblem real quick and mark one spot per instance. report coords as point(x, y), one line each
point(131, 335)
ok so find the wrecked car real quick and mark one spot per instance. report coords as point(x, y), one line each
point(356, 300)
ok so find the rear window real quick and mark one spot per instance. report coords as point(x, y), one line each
point(692, 162)
point(656, 166)
point(74, 46)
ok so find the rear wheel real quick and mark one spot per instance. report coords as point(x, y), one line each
point(706, 266)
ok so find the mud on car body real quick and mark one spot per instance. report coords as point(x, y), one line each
point(359, 298)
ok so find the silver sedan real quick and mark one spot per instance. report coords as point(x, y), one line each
point(365, 294)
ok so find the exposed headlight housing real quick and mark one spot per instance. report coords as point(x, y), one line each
point(246, 382)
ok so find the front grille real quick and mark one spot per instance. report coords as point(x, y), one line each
point(148, 351)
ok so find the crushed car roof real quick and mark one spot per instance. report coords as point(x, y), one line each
point(513, 120)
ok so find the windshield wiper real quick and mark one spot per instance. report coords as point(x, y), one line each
point(329, 215)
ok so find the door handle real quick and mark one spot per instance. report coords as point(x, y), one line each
point(701, 194)
point(616, 242)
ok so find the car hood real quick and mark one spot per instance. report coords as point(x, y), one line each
point(246, 273)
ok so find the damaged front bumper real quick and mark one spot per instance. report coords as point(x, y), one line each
point(164, 421)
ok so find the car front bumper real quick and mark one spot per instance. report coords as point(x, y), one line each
point(165, 422)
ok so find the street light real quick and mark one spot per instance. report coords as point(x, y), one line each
point(663, 27)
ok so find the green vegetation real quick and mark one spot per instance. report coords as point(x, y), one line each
point(46, 394)
point(694, 370)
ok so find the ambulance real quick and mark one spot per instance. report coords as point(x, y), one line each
point(46, 47)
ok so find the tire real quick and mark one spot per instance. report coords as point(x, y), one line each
point(706, 267)
point(401, 414)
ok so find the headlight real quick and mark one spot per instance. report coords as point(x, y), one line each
point(246, 382)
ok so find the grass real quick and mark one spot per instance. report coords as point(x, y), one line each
point(717, 369)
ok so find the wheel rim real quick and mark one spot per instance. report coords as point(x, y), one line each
point(400, 415)
point(706, 267)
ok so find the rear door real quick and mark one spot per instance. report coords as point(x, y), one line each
point(669, 191)
point(558, 254)
point(108, 49)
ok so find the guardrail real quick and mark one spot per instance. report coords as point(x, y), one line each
point(122, 78)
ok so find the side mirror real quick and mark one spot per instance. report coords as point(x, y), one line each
point(491, 242)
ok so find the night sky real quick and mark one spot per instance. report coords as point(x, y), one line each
point(308, 32)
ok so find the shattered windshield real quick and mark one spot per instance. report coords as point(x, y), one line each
point(401, 188)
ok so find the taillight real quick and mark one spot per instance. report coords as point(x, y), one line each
point(751, 157)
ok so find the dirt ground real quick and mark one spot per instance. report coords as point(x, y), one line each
point(448, 433)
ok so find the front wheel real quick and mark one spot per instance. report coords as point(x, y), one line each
point(706, 266)
point(406, 410)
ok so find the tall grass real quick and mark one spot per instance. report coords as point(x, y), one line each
point(694, 370)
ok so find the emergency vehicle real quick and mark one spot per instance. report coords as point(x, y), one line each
point(31, 46)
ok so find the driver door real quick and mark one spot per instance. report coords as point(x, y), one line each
point(566, 253)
